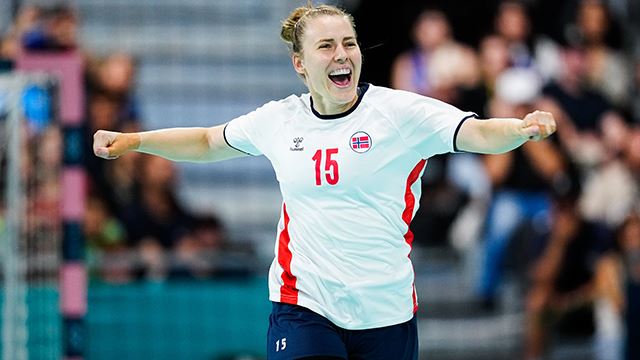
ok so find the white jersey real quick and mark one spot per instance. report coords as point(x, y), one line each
point(350, 185)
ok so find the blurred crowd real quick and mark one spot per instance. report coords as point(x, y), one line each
point(561, 214)
point(135, 225)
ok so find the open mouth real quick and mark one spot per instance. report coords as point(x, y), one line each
point(341, 77)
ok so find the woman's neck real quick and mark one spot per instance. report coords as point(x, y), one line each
point(329, 108)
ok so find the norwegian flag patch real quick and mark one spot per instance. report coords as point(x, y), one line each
point(360, 142)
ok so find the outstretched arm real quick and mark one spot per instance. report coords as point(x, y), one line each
point(496, 136)
point(178, 144)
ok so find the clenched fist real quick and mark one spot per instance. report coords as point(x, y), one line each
point(538, 125)
point(111, 144)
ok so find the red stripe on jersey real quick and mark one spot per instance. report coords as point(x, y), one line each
point(288, 290)
point(410, 200)
point(407, 214)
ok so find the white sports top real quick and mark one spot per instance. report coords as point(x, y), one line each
point(350, 185)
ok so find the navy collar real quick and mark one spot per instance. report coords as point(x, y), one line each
point(362, 89)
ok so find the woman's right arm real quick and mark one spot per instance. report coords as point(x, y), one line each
point(178, 144)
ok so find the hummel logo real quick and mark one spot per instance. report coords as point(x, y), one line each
point(296, 142)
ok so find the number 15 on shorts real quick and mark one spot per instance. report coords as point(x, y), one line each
point(281, 344)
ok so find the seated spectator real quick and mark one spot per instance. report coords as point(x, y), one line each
point(521, 182)
point(156, 221)
point(608, 70)
point(42, 177)
point(55, 30)
point(560, 299)
point(115, 182)
point(613, 188)
point(526, 47)
point(579, 110)
point(513, 25)
point(494, 60)
point(113, 76)
point(11, 42)
point(438, 65)
point(110, 104)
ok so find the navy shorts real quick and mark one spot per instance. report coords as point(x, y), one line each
point(296, 332)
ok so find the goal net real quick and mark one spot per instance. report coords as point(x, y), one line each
point(30, 221)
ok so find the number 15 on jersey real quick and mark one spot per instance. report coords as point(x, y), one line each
point(330, 171)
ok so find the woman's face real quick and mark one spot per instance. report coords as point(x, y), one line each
point(592, 20)
point(431, 30)
point(494, 55)
point(330, 62)
point(513, 22)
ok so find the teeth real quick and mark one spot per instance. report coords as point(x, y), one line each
point(340, 72)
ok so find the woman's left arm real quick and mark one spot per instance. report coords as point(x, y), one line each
point(499, 135)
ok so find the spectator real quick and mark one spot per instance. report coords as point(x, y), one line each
point(467, 227)
point(55, 30)
point(521, 181)
point(156, 221)
point(526, 48)
point(114, 77)
point(580, 110)
point(513, 25)
point(612, 189)
point(11, 43)
point(116, 183)
point(560, 299)
point(608, 71)
point(42, 177)
point(438, 65)
point(618, 292)
point(494, 59)
point(111, 103)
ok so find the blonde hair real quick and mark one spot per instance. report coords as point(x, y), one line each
point(293, 26)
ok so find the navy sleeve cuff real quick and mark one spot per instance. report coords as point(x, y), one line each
point(455, 134)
